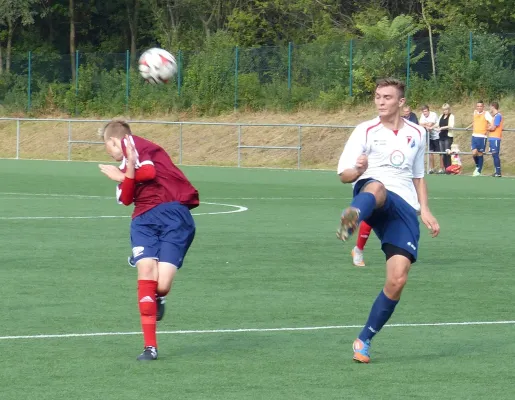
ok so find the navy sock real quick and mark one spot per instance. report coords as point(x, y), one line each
point(497, 163)
point(381, 311)
point(475, 160)
point(366, 203)
point(480, 163)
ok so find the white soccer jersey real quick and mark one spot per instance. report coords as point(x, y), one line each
point(394, 159)
point(432, 118)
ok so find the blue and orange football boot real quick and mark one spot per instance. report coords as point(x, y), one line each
point(361, 349)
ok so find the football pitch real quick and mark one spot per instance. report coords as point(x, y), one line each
point(267, 304)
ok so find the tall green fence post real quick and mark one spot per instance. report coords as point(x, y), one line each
point(351, 44)
point(290, 50)
point(76, 80)
point(236, 62)
point(127, 79)
point(408, 60)
point(470, 46)
point(179, 72)
point(29, 88)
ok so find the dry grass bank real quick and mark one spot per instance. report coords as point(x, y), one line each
point(217, 145)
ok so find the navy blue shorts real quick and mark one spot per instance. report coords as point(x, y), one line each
point(494, 144)
point(395, 223)
point(478, 143)
point(164, 233)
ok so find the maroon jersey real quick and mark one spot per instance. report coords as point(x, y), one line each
point(169, 184)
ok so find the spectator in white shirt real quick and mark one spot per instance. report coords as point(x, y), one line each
point(429, 120)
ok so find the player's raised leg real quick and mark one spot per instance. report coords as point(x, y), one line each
point(147, 287)
point(361, 241)
point(371, 196)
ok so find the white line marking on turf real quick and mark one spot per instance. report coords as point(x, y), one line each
point(350, 198)
point(75, 196)
point(78, 217)
point(238, 209)
point(257, 330)
point(80, 196)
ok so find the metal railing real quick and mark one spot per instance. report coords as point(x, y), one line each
point(239, 126)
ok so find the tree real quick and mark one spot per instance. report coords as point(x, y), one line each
point(12, 12)
point(73, 48)
point(382, 50)
point(430, 31)
point(272, 22)
point(132, 7)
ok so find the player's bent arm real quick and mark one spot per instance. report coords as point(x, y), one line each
point(128, 186)
point(354, 148)
point(349, 175)
point(144, 173)
point(126, 191)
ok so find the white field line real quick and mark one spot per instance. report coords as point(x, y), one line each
point(254, 330)
point(237, 209)
point(80, 196)
point(51, 195)
point(350, 198)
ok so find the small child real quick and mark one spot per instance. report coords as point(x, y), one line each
point(455, 167)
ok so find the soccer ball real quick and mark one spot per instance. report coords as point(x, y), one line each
point(157, 65)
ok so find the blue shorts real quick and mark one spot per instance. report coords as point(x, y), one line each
point(164, 233)
point(494, 145)
point(395, 223)
point(478, 143)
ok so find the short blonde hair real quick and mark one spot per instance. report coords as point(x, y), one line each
point(116, 128)
point(446, 106)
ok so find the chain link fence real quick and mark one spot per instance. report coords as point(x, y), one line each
point(221, 77)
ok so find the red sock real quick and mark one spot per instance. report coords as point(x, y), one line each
point(363, 234)
point(148, 311)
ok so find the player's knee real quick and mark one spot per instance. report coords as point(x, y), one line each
point(397, 282)
point(394, 286)
point(147, 269)
point(378, 190)
point(474, 152)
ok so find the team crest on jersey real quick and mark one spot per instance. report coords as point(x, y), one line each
point(397, 158)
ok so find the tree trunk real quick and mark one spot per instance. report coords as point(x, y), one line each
point(72, 38)
point(173, 35)
point(10, 30)
point(430, 30)
point(132, 17)
point(1, 61)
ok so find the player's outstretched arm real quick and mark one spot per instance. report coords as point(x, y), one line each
point(425, 214)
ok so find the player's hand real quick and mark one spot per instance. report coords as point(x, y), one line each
point(361, 164)
point(112, 172)
point(430, 221)
point(131, 151)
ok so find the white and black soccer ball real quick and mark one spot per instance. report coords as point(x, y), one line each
point(157, 65)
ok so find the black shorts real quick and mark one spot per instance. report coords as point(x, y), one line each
point(434, 145)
